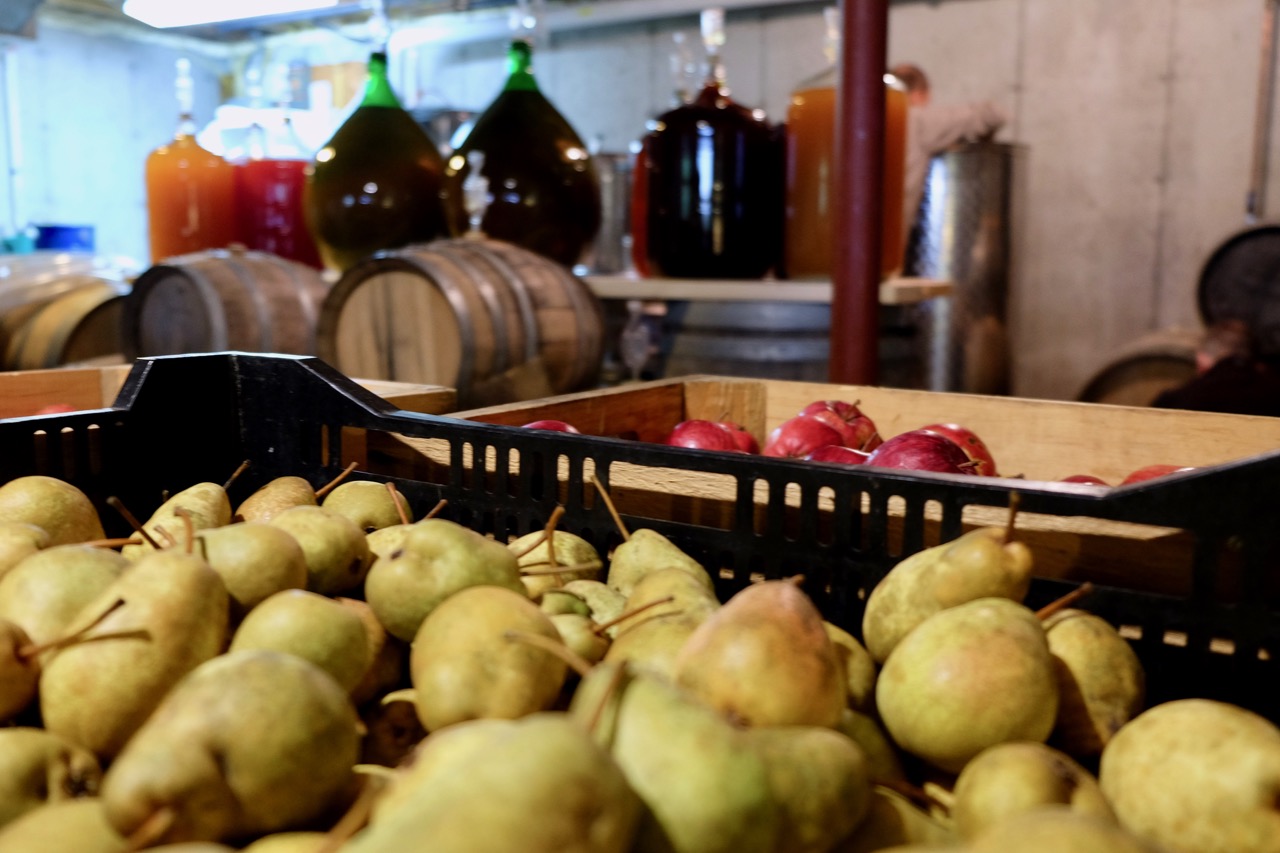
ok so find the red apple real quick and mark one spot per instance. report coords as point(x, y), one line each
point(922, 450)
point(839, 454)
point(844, 411)
point(745, 440)
point(859, 431)
point(969, 442)
point(553, 425)
point(1150, 472)
point(800, 436)
point(701, 435)
point(1085, 478)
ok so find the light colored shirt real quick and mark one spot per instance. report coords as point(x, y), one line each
point(932, 129)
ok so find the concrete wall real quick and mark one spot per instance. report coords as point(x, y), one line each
point(1136, 115)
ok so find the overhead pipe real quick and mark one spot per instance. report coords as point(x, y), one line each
point(860, 115)
point(1256, 202)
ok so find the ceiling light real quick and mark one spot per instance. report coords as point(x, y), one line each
point(186, 13)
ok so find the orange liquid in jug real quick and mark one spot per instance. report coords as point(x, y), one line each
point(811, 139)
point(191, 198)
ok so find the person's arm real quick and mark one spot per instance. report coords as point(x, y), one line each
point(940, 127)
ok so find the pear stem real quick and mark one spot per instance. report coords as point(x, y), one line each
point(1015, 502)
point(408, 694)
point(795, 580)
point(571, 658)
point(605, 626)
point(380, 771)
point(112, 543)
point(528, 549)
point(118, 505)
point(32, 650)
point(435, 510)
point(610, 689)
point(1066, 601)
point(545, 568)
point(152, 829)
point(395, 499)
point(556, 515)
point(235, 475)
point(917, 795)
point(169, 541)
point(333, 484)
point(613, 510)
point(185, 514)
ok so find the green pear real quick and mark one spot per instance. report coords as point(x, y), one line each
point(369, 505)
point(38, 767)
point(288, 842)
point(1011, 778)
point(967, 678)
point(605, 602)
point(78, 825)
point(388, 656)
point(980, 564)
point(60, 509)
point(438, 558)
point(554, 601)
point(1196, 775)
point(248, 743)
point(893, 820)
point(706, 790)
point(255, 560)
point(336, 551)
point(764, 658)
point(312, 626)
point(570, 550)
point(645, 551)
point(97, 694)
point(883, 762)
point(387, 540)
point(19, 540)
point(1100, 679)
point(206, 505)
point(579, 633)
point(465, 666)
point(19, 671)
point(538, 785)
point(48, 589)
point(819, 778)
point(1057, 829)
point(653, 633)
point(859, 668)
point(274, 497)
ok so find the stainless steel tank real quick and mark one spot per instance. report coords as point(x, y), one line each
point(964, 234)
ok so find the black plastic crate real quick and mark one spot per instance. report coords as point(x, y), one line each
point(184, 419)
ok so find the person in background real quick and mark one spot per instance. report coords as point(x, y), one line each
point(1230, 376)
point(933, 128)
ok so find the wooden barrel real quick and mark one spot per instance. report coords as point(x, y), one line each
point(78, 325)
point(492, 320)
point(1137, 373)
point(223, 299)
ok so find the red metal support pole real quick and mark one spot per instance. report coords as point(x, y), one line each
point(855, 297)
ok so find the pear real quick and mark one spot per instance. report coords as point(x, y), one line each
point(392, 731)
point(464, 666)
point(387, 540)
point(78, 825)
point(883, 761)
point(288, 842)
point(537, 785)
point(579, 633)
point(368, 504)
point(336, 550)
point(765, 659)
point(206, 504)
point(248, 743)
point(706, 789)
point(570, 550)
point(313, 627)
point(274, 497)
point(388, 656)
point(652, 633)
point(1197, 775)
point(255, 560)
point(554, 601)
point(38, 767)
point(982, 563)
point(19, 672)
point(821, 781)
point(646, 551)
point(48, 589)
point(193, 847)
point(967, 678)
point(97, 694)
point(859, 668)
point(1100, 679)
point(438, 558)
point(893, 820)
point(604, 602)
point(19, 540)
point(1057, 829)
point(1011, 778)
point(60, 509)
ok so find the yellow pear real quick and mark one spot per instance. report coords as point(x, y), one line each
point(645, 551)
point(859, 668)
point(653, 633)
point(274, 497)
point(78, 825)
point(368, 504)
point(255, 561)
point(38, 767)
point(335, 549)
point(893, 822)
point(206, 505)
point(48, 589)
point(1058, 829)
point(570, 550)
point(313, 627)
point(55, 506)
point(19, 540)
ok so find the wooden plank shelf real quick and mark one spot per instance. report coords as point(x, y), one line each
point(893, 291)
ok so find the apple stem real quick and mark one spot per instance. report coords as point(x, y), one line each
point(395, 499)
point(605, 626)
point(613, 510)
point(1015, 502)
point(1066, 601)
point(615, 682)
point(546, 567)
point(118, 505)
point(185, 514)
point(572, 659)
point(152, 829)
point(435, 510)
point(408, 694)
point(333, 484)
point(235, 475)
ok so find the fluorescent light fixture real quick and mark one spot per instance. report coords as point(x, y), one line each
point(187, 13)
